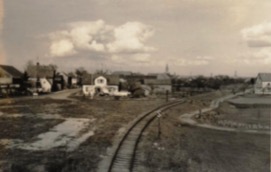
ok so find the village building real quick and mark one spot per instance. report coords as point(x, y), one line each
point(44, 78)
point(72, 80)
point(10, 80)
point(263, 84)
point(100, 84)
point(10, 75)
point(122, 73)
point(159, 83)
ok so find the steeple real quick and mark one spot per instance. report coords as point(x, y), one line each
point(167, 68)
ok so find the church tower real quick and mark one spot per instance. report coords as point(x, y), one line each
point(167, 69)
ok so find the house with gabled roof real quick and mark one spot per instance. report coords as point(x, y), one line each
point(41, 76)
point(263, 84)
point(10, 75)
point(161, 83)
point(100, 84)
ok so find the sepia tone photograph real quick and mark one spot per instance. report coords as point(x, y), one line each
point(135, 85)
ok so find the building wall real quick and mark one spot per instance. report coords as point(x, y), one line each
point(5, 80)
point(100, 81)
point(46, 86)
point(262, 87)
point(266, 84)
point(113, 89)
point(162, 88)
point(88, 90)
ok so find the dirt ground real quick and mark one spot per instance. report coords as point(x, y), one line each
point(193, 149)
point(181, 148)
point(25, 119)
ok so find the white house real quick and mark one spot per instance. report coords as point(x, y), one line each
point(44, 86)
point(263, 84)
point(100, 84)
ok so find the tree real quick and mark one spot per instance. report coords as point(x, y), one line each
point(81, 71)
point(102, 72)
point(29, 63)
point(53, 67)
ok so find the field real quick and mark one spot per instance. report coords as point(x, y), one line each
point(24, 122)
point(82, 130)
point(193, 149)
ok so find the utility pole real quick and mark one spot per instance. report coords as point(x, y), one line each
point(167, 93)
point(159, 125)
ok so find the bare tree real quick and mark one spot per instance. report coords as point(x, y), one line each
point(81, 71)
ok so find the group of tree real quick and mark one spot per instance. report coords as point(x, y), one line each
point(205, 82)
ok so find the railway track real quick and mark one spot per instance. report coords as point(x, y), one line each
point(125, 156)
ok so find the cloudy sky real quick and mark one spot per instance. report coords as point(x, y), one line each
point(191, 36)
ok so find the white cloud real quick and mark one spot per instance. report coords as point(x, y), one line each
point(130, 37)
point(254, 57)
point(197, 61)
point(258, 36)
point(99, 37)
point(63, 47)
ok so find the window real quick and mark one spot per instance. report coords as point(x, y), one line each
point(100, 81)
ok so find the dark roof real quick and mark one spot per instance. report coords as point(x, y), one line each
point(43, 71)
point(139, 77)
point(111, 79)
point(160, 75)
point(11, 71)
point(122, 73)
point(157, 81)
point(265, 77)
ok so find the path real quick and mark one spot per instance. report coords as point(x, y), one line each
point(188, 117)
point(61, 94)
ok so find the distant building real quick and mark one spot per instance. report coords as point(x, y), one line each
point(263, 84)
point(44, 79)
point(160, 83)
point(10, 80)
point(10, 75)
point(100, 84)
point(122, 73)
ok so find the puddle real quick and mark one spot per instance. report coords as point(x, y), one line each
point(68, 133)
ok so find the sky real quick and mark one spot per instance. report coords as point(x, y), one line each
point(194, 37)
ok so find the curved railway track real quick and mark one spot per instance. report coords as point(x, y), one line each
point(124, 157)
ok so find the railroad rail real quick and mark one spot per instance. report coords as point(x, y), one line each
point(124, 157)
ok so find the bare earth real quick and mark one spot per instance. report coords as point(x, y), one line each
point(46, 134)
point(27, 124)
point(193, 149)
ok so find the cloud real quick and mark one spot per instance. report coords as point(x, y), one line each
point(130, 37)
point(258, 35)
point(62, 47)
point(254, 57)
point(258, 39)
point(138, 58)
point(99, 37)
point(196, 61)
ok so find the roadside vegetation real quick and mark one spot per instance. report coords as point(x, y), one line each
point(192, 149)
